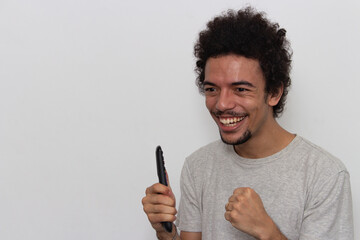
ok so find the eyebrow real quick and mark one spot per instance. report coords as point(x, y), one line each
point(246, 83)
point(239, 83)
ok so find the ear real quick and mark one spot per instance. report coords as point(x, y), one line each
point(274, 98)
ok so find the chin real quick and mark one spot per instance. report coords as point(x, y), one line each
point(243, 139)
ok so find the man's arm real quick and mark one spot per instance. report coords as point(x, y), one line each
point(163, 235)
point(190, 235)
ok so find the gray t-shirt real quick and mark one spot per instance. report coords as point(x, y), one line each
point(304, 189)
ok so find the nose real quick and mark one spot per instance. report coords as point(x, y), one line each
point(225, 101)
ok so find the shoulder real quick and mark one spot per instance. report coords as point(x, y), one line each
point(317, 160)
point(206, 154)
point(208, 149)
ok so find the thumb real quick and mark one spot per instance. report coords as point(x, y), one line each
point(167, 179)
point(171, 194)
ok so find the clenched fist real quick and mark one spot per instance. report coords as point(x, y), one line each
point(245, 211)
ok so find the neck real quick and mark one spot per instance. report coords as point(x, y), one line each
point(265, 142)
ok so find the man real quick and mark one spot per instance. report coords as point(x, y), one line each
point(260, 181)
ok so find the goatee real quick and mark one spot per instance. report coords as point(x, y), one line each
point(244, 138)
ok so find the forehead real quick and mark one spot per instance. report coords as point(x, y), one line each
point(233, 68)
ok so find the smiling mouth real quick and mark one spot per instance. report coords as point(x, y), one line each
point(230, 122)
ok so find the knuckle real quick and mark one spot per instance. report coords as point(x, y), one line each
point(240, 198)
point(148, 190)
point(171, 202)
point(172, 218)
point(228, 206)
point(228, 216)
point(159, 198)
point(144, 200)
point(146, 208)
point(151, 217)
point(155, 186)
point(159, 187)
point(248, 190)
point(158, 208)
point(237, 206)
point(173, 211)
point(232, 215)
point(163, 199)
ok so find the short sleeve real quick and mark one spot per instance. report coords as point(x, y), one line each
point(328, 212)
point(189, 214)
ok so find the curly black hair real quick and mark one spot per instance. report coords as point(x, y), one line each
point(248, 33)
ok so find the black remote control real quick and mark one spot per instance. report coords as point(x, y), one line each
point(161, 172)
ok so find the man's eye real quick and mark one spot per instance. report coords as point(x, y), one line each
point(209, 89)
point(241, 89)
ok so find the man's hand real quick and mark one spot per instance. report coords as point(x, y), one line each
point(159, 206)
point(246, 212)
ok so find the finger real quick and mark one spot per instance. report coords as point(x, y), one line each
point(239, 199)
point(243, 191)
point(160, 217)
point(171, 194)
point(232, 199)
point(235, 198)
point(231, 215)
point(167, 178)
point(227, 207)
point(157, 188)
point(158, 199)
point(157, 208)
point(240, 190)
point(232, 206)
point(227, 216)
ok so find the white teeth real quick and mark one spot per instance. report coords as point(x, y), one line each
point(231, 121)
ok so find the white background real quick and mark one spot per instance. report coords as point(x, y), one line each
point(88, 89)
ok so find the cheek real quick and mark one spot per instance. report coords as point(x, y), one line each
point(210, 103)
point(248, 104)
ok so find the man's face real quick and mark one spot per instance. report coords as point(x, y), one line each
point(236, 99)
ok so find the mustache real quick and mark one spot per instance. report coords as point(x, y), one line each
point(231, 113)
